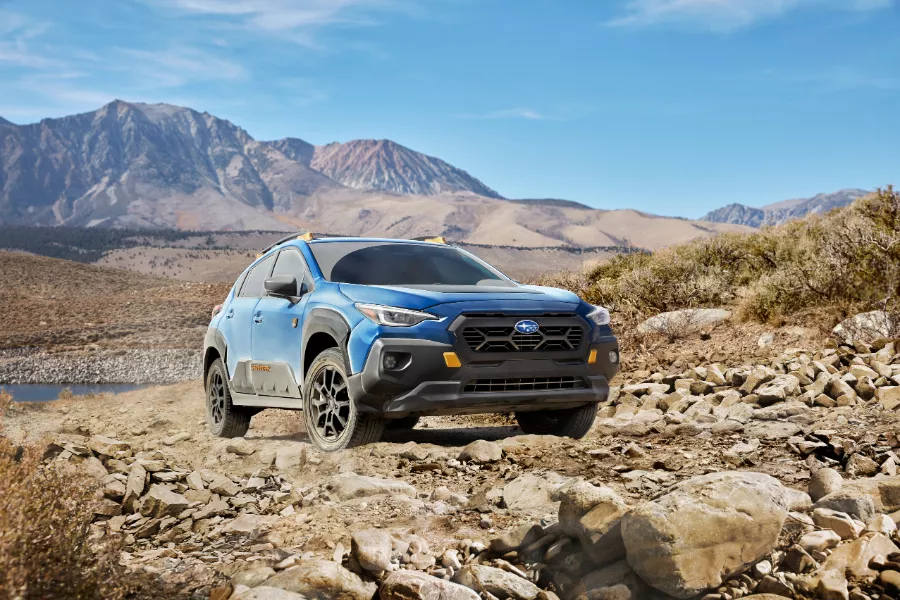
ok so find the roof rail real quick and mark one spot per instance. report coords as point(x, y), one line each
point(433, 239)
point(306, 237)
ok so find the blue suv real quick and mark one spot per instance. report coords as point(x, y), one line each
point(361, 334)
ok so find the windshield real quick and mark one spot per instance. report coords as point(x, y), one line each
point(387, 263)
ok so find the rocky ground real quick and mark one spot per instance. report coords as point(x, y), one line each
point(778, 476)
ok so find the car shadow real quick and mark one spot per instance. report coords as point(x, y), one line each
point(449, 437)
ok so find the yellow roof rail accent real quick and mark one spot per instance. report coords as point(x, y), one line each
point(307, 237)
point(436, 240)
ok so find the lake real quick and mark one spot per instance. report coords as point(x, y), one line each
point(39, 392)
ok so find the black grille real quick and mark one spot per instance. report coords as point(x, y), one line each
point(507, 339)
point(525, 384)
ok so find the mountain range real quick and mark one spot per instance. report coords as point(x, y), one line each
point(781, 212)
point(158, 165)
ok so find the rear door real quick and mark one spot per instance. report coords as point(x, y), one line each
point(238, 324)
point(277, 330)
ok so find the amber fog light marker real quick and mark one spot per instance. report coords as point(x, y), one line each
point(452, 360)
point(592, 357)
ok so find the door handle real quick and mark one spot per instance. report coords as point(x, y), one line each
point(257, 318)
point(230, 313)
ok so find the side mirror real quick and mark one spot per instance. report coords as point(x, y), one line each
point(282, 286)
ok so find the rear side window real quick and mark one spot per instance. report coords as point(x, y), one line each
point(254, 284)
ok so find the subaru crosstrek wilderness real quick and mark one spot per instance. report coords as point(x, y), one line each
point(366, 333)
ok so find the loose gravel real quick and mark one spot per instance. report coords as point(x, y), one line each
point(159, 366)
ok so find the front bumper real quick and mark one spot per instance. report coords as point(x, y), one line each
point(425, 385)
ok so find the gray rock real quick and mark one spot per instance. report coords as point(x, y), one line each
point(413, 585)
point(861, 465)
point(498, 582)
point(683, 322)
point(520, 537)
point(578, 499)
point(162, 502)
point(824, 481)
point(372, 549)
point(323, 580)
point(704, 530)
point(855, 503)
point(134, 487)
point(347, 486)
point(528, 492)
point(481, 451)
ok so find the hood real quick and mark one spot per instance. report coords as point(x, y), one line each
point(526, 297)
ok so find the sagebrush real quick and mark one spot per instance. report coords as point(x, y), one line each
point(847, 260)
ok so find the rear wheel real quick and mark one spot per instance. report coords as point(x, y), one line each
point(402, 424)
point(332, 421)
point(568, 422)
point(223, 417)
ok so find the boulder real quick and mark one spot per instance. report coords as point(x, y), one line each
point(577, 500)
point(778, 390)
point(347, 486)
point(372, 549)
point(520, 537)
point(413, 585)
point(889, 397)
point(855, 503)
point(860, 465)
point(498, 582)
point(704, 530)
point(162, 502)
point(323, 580)
point(529, 492)
point(819, 541)
point(223, 486)
point(854, 557)
point(824, 481)
point(600, 530)
point(840, 523)
point(481, 451)
point(239, 446)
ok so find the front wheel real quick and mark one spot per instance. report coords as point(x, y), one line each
point(223, 417)
point(332, 421)
point(568, 422)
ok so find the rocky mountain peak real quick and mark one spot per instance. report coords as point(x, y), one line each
point(781, 212)
point(388, 166)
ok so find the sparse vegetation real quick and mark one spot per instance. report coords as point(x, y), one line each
point(843, 262)
point(45, 526)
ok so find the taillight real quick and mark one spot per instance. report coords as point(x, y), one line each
point(216, 310)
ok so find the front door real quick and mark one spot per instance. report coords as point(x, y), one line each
point(276, 332)
point(238, 325)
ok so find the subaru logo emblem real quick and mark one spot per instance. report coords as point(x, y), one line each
point(527, 326)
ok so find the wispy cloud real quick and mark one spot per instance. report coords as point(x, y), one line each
point(17, 49)
point(297, 20)
point(509, 113)
point(726, 15)
point(179, 66)
point(840, 79)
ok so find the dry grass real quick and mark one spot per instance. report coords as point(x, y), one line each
point(56, 303)
point(45, 527)
point(812, 271)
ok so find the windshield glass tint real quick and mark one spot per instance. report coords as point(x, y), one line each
point(385, 263)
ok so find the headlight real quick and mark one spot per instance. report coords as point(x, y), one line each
point(599, 316)
point(392, 316)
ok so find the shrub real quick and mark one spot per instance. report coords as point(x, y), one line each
point(45, 520)
point(844, 262)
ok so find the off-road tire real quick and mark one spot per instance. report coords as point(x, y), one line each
point(357, 429)
point(403, 424)
point(223, 417)
point(568, 422)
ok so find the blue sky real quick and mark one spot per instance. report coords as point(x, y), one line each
point(669, 106)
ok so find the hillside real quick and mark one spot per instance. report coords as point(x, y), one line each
point(86, 304)
point(782, 212)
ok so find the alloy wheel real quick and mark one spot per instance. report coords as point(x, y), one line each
point(217, 398)
point(330, 404)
